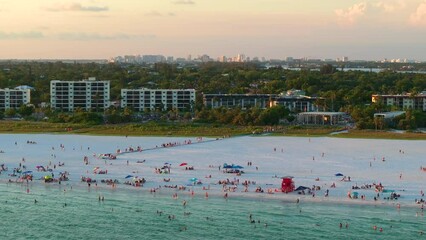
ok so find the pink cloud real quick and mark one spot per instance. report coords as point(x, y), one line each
point(77, 7)
point(350, 16)
point(390, 7)
point(419, 16)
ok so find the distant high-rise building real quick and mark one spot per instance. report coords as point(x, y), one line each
point(170, 59)
point(189, 58)
point(205, 58)
point(130, 59)
point(153, 58)
point(222, 59)
point(240, 58)
point(180, 60)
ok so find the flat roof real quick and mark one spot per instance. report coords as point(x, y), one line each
point(389, 114)
point(323, 113)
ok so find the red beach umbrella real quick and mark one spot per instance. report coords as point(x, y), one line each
point(183, 164)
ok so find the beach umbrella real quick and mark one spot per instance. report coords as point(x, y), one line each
point(193, 179)
point(183, 164)
point(128, 176)
point(166, 163)
point(47, 177)
point(26, 172)
point(338, 175)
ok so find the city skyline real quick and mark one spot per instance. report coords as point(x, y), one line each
point(275, 29)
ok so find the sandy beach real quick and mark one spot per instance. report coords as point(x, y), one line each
point(360, 165)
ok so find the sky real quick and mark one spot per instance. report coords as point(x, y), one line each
point(100, 29)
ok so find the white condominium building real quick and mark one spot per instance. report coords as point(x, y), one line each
point(86, 94)
point(143, 99)
point(403, 101)
point(14, 98)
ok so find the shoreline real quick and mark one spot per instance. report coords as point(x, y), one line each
point(289, 198)
point(357, 134)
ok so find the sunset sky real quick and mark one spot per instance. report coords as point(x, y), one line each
point(370, 29)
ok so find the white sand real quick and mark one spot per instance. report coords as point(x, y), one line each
point(296, 156)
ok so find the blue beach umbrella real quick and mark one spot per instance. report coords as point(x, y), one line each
point(193, 179)
point(129, 176)
point(338, 175)
point(26, 172)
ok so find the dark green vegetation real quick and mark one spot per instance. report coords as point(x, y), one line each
point(194, 129)
point(344, 91)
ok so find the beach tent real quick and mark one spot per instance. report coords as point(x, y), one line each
point(225, 165)
point(41, 168)
point(301, 188)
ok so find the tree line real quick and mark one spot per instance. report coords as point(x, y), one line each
point(344, 91)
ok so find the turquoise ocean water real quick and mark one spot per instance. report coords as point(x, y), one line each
point(135, 214)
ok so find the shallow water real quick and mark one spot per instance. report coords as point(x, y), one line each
point(72, 210)
point(131, 214)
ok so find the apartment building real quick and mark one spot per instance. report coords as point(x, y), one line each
point(144, 99)
point(402, 101)
point(237, 100)
point(14, 98)
point(294, 100)
point(88, 94)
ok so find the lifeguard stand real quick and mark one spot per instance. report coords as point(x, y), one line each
point(287, 184)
